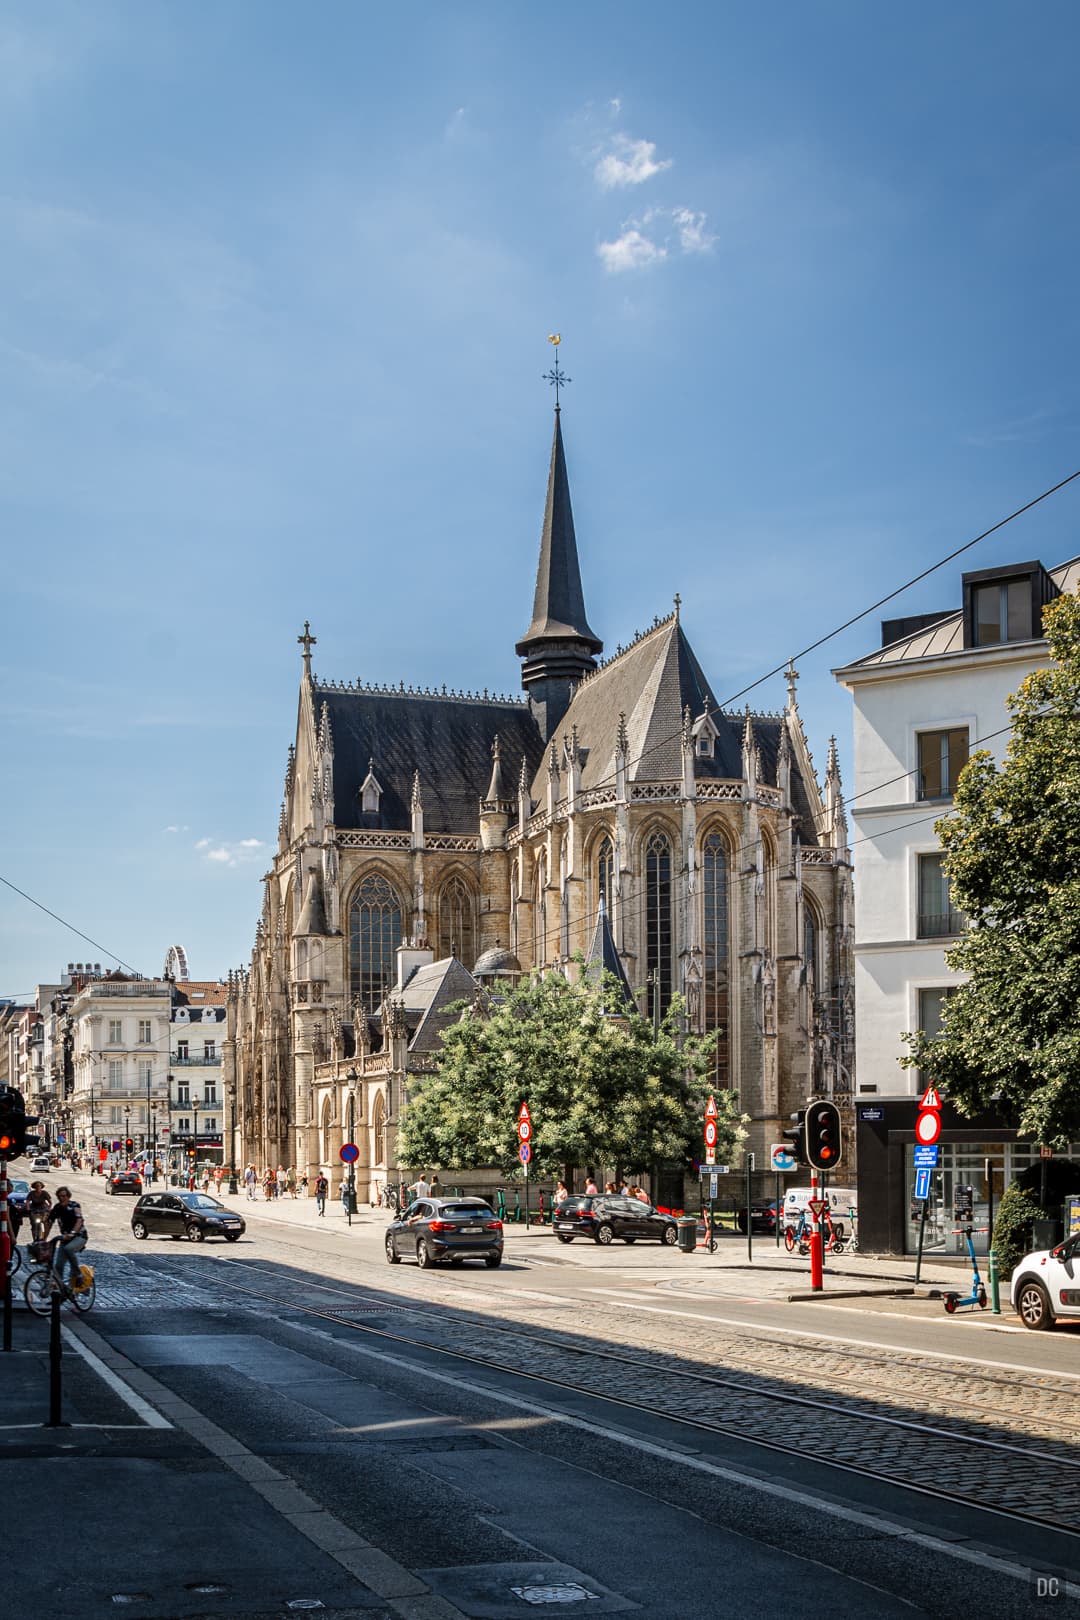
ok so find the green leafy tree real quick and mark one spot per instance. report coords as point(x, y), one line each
point(1011, 1034)
point(601, 1090)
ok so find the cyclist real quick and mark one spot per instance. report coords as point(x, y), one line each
point(69, 1218)
point(39, 1203)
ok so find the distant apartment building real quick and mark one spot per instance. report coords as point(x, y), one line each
point(933, 693)
point(198, 1111)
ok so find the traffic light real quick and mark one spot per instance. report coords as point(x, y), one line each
point(797, 1136)
point(824, 1145)
point(128, 1144)
point(12, 1123)
point(31, 1139)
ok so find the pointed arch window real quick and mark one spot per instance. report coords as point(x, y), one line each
point(605, 874)
point(375, 932)
point(716, 931)
point(378, 1127)
point(658, 922)
point(810, 949)
point(540, 951)
point(457, 922)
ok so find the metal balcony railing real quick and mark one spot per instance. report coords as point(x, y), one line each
point(195, 1059)
point(941, 924)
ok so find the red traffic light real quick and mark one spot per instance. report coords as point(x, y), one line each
point(128, 1143)
point(6, 1142)
point(823, 1136)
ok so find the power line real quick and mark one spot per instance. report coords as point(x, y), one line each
point(65, 924)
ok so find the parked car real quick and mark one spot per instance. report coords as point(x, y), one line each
point(124, 1181)
point(1046, 1285)
point(762, 1218)
point(608, 1217)
point(454, 1229)
point(18, 1193)
point(42, 1162)
point(194, 1215)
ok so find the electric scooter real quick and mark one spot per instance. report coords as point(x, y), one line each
point(977, 1296)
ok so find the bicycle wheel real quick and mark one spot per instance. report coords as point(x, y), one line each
point(837, 1246)
point(84, 1299)
point(37, 1291)
point(789, 1239)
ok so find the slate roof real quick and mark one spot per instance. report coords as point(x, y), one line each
point(602, 957)
point(427, 994)
point(448, 740)
point(558, 601)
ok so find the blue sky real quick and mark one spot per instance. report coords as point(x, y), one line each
point(275, 283)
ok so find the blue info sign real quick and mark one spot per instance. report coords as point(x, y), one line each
point(922, 1184)
point(926, 1157)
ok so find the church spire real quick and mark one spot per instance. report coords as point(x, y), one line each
point(559, 646)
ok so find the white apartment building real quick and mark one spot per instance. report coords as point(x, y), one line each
point(932, 694)
point(120, 1060)
point(198, 1107)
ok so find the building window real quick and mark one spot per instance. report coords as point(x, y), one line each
point(378, 1126)
point(705, 746)
point(183, 1096)
point(605, 874)
point(457, 926)
point(942, 756)
point(810, 948)
point(116, 1073)
point(181, 1051)
point(210, 1124)
point(375, 930)
point(1002, 611)
point(146, 1033)
point(658, 923)
point(931, 1006)
point(209, 1051)
point(184, 1126)
point(116, 1031)
point(146, 1073)
point(938, 917)
point(540, 952)
point(211, 1097)
point(116, 1116)
point(714, 882)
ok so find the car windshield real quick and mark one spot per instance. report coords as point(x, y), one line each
point(200, 1201)
point(465, 1209)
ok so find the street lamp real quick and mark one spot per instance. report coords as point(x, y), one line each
point(195, 1137)
point(233, 1189)
point(127, 1131)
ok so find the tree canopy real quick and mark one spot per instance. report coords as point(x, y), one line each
point(601, 1090)
point(1011, 1034)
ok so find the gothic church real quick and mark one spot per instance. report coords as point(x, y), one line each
point(433, 841)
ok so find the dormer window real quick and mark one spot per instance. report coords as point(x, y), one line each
point(1005, 604)
point(705, 735)
point(370, 791)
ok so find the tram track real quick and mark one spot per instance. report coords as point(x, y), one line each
point(1037, 1483)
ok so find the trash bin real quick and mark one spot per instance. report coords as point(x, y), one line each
point(687, 1225)
point(1045, 1233)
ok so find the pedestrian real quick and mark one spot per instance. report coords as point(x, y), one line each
point(322, 1187)
point(290, 1181)
point(249, 1181)
point(609, 1187)
point(560, 1194)
point(591, 1189)
point(303, 1184)
point(435, 1188)
point(624, 1189)
point(421, 1188)
point(268, 1184)
point(279, 1181)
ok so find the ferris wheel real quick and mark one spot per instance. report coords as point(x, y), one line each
point(176, 964)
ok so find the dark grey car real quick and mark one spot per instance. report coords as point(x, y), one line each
point(454, 1229)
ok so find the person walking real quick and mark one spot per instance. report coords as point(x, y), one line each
point(268, 1184)
point(304, 1183)
point(290, 1181)
point(420, 1188)
point(249, 1181)
point(560, 1195)
point(279, 1181)
point(591, 1189)
point(322, 1187)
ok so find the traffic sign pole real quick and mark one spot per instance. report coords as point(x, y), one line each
point(524, 1130)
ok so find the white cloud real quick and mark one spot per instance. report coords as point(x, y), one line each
point(630, 251)
point(629, 163)
point(204, 843)
point(178, 829)
point(251, 843)
point(692, 234)
point(230, 852)
point(221, 854)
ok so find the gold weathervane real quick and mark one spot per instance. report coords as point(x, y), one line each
point(556, 376)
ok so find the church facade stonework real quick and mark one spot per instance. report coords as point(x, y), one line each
point(433, 841)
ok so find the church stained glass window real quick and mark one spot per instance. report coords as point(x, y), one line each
point(457, 926)
point(540, 951)
point(375, 932)
point(605, 874)
point(658, 922)
point(715, 906)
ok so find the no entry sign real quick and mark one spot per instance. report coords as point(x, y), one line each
point(927, 1127)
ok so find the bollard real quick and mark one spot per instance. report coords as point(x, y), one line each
point(995, 1287)
point(56, 1351)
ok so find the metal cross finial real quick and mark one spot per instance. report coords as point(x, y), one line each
point(678, 604)
point(307, 641)
point(556, 376)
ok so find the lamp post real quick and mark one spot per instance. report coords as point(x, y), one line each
point(195, 1140)
point(233, 1189)
point(127, 1131)
point(350, 1206)
point(146, 1138)
point(152, 1162)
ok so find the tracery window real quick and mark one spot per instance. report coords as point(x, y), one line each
point(375, 931)
point(658, 923)
point(605, 874)
point(457, 922)
point(540, 950)
point(810, 948)
point(378, 1126)
point(768, 855)
point(715, 929)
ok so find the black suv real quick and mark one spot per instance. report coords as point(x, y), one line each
point(608, 1217)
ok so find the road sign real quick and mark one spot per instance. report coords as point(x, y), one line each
point(711, 1109)
point(817, 1207)
point(523, 1112)
point(781, 1158)
point(926, 1158)
point(922, 1183)
point(931, 1099)
point(712, 1186)
point(715, 1169)
point(524, 1152)
point(103, 1154)
point(927, 1127)
point(1046, 1152)
point(524, 1129)
point(710, 1133)
point(348, 1152)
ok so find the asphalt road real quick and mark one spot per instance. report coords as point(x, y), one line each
point(499, 1491)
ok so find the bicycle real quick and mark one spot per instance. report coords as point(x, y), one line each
point(834, 1235)
point(42, 1284)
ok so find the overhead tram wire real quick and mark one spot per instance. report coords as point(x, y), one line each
point(65, 924)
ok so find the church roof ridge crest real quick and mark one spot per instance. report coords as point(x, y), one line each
point(660, 622)
point(447, 694)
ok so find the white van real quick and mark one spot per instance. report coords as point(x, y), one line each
point(842, 1200)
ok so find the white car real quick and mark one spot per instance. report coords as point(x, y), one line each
point(1046, 1285)
point(42, 1162)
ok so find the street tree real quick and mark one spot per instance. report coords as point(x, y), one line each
point(1010, 1035)
point(601, 1089)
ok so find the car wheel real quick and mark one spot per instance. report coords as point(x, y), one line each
point(671, 1236)
point(424, 1256)
point(1033, 1306)
point(392, 1256)
point(139, 1229)
point(492, 1261)
point(195, 1234)
point(563, 1239)
point(232, 1237)
point(604, 1234)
